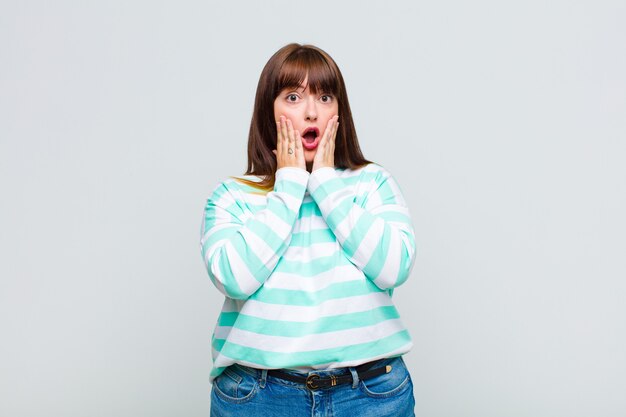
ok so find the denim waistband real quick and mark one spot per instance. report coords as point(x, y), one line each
point(262, 374)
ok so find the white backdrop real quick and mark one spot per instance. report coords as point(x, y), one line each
point(504, 123)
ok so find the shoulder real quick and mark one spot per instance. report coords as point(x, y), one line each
point(377, 168)
point(236, 187)
point(372, 172)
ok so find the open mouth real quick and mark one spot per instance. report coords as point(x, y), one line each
point(310, 138)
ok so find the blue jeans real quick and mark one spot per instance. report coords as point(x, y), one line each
point(244, 391)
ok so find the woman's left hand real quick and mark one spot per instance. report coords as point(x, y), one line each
point(325, 155)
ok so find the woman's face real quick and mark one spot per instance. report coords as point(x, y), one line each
point(308, 113)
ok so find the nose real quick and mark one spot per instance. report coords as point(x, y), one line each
point(310, 110)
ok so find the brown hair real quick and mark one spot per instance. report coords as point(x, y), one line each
point(288, 68)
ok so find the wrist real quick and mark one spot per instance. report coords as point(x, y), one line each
point(290, 170)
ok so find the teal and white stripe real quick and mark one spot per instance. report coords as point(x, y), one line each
point(308, 269)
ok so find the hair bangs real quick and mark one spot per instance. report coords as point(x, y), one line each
point(311, 65)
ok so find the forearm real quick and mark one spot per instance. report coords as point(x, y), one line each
point(380, 241)
point(240, 252)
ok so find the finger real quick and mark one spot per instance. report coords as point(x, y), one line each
point(327, 132)
point(332, 142)
point(288, 138)
point(278, 137)
point(291, 144)
point(331, 137)
point(331, 133)
point(331, 125)
point(290, 132)
point(331, 149)
point(299, 149)
point(283, 124)
point(335, 128)
point(298, 138)
point(281, 145)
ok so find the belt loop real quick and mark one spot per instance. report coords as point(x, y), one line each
point(263, 378)
point(355, 377)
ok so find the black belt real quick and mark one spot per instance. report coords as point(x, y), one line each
point(314, 381)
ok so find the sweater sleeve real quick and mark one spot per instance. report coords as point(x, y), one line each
point(378, 238)
point(241, 250)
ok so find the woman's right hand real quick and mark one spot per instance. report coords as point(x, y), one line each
point(289, 152)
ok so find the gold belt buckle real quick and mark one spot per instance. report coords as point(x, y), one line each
point(310, 381)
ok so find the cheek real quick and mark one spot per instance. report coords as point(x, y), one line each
point(330, 113)
point(277, 110)
point(282, 109)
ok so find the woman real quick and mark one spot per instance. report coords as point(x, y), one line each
point(307, 248)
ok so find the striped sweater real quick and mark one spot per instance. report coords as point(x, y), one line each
point(308, 269)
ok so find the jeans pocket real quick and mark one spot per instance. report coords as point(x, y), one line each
point(396, 382)
point(235, 386)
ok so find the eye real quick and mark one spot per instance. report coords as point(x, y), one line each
point(327, 98)
point(290, 96)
